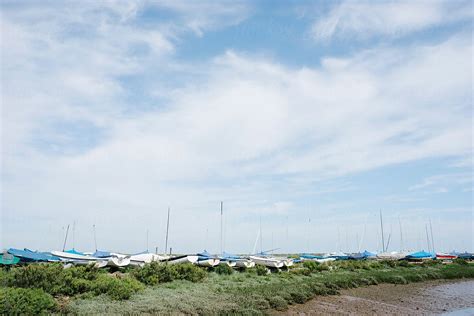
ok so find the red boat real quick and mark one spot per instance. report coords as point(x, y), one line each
point(445, 256)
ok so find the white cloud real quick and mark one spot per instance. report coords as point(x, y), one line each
point(250, 131)
point(364, 20)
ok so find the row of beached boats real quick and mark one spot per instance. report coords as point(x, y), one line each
point(205, 259)
point(117, 260)
point(394, 255)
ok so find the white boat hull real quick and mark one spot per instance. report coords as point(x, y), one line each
point(211, 262)
point(391, 255)
point(118, 262)
point(147, 258)
point(325, 260)
point(268, 262)
point(185, 259)
point(229, 263)
point(244, 264)
point(65, 256)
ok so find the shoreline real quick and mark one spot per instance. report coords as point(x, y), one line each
point(424, 298)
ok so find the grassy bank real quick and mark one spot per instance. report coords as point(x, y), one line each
point(190, 289)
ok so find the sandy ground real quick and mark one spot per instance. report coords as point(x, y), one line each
point(427, 298)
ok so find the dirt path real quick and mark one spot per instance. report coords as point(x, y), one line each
point(425, 298)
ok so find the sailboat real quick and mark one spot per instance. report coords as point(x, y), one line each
point(205, 259)
point(236, 261)
point(146, 257)
point(182, 259)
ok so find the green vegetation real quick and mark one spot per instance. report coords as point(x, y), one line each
point(55, 280)
point(17, 301)
point(154, 273)
point(223, 269)
point(160, 288)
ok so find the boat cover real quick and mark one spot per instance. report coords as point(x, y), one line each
point(420, 255)
point(101, 254)
point(74, 252)
point(28, 255)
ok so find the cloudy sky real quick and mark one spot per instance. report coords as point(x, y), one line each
point(306, 116)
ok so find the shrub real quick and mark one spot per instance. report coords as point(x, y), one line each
point(301, 271)
point(18, 301)
point(261, 270)
point(154, 273)
point(278, 303)
point(223, 269)
point(311, 265)
point(48, 277)
point(190, 272)
point(461, 261)
point(116, 288)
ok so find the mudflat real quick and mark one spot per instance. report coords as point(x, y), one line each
point(426, 298)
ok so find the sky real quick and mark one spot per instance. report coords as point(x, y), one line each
point(306, 118)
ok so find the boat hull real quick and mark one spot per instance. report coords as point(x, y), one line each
point(210, 262)
point(268, 262)
point(244, 264)
point(182, 259)
point(118, 262)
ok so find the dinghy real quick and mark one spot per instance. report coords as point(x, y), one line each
point(8, 259)
point(244, 263)
point(420, 256)
point(267, 261)
point(228, 263)
point(32, 256)
point(118, 262)
point(445, 256)
point(205, 259)
point(236, 261)
point(209, 262)
point(287, 262)
point(182, 259)
point(325, 260)
point(309, 257)
point(75, 258)
point(337, 255)
point(394, 255)
point(466, 256)
point(320, 259)
point(143, 258)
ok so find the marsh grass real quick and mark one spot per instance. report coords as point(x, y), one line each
point(192, 290)
point(250, 293)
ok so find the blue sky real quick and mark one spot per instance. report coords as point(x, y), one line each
point(311, 115)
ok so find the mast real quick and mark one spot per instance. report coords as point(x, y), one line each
point(65, 238)
point(95, 237)
point(401, 234)
point(381, 228)
point(432, 240)
point(338, 239)
point(287, 246)
point(308, 247)
point(147, 240)
point(73, 235)
point(388, 242)
point(427, 238)
point(167, 230)
point(222, 234)
point(363, 234)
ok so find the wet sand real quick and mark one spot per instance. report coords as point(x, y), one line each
point(427, 298)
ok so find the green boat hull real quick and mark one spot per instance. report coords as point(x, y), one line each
point(7, 259)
